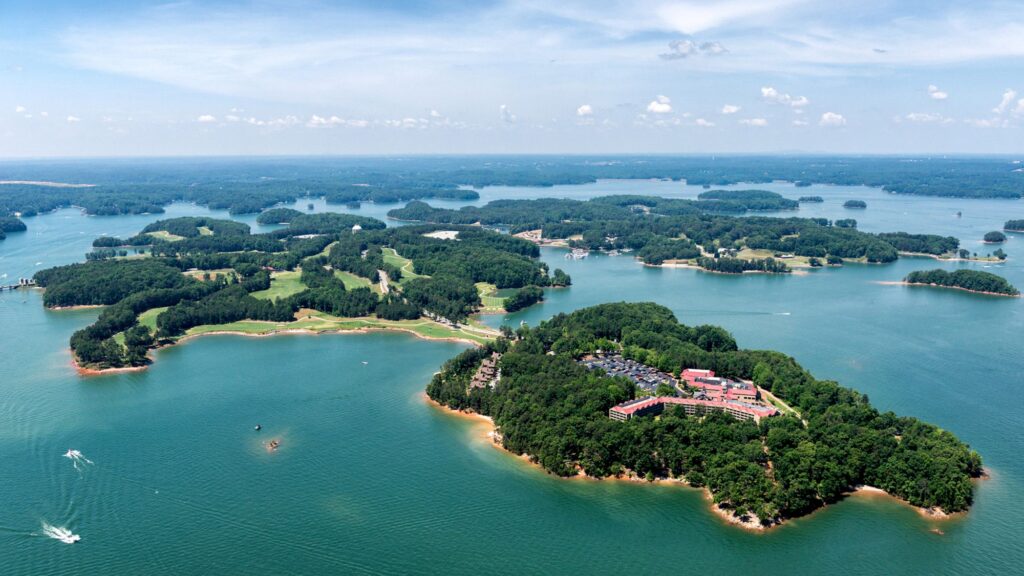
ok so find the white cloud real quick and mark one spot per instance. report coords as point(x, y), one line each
point(585, 110)
point(832, 119)
point(506, 115)
point(773, 95)
point(660, 105)
point(1005, 103)
point(704, 123)
point(44, 114)
point(20, 110)
point(758, 122)
point(73, 119)
point(730, 109)
point(988, 122)
point(681, 49)
point(435, 114)
point(232, 118)
point(206, 119)
point(935, 93)
point(927, 118)
point(694, 17)
point(1019, 110)
point(800, 122)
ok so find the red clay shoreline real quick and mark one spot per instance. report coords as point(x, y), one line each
point(751, 525)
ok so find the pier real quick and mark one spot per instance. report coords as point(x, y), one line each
point(22, 283)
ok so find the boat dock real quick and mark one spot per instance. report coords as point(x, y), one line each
point(22, 283)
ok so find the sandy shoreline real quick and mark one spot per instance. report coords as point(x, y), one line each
point(941, 259)
point(903, 283)
point(491, 435)
point(797, 271)
point(84, 371)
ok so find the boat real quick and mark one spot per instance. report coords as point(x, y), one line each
point(257, 427)
point(62, 534)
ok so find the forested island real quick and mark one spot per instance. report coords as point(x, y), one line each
point(1014, 226)
point(10, 224)
point(245, 186)
point(970, 280)
point(812, 199)
point(825, 442)
point(673, 231)
point(855, 204)
point(322, 272)
point(994, 237)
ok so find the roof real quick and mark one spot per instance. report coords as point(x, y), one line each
point(641, 403)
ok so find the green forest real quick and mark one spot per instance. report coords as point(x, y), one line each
point(1014, 226)
point(552, 408)
point(207, 272)
point(971, 280)
point(660, 229)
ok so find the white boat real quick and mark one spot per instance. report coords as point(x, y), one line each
point(59, 533)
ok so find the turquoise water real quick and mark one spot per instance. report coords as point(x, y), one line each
point(371, 479)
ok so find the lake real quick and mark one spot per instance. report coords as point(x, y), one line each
point(370, 479)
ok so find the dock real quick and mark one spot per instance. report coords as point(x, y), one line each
point(22, 283)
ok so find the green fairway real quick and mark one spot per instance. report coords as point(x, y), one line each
point(404, 264)
point(282, 285)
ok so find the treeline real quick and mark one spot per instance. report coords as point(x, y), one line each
point(523, 298)
point(994, 237)
point(320, 243)
point(972, 280)
point(552, 408)
point(191, 227)
point(661, 229)
point(739, 266)
point(813, 199)
point(1014, 226)
point(10, 224)
point(754, 200)
point(855, 204)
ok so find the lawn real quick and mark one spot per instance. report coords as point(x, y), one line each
point(282, 285)
point(404, 264)
point(165, 235)
point(491, 298)
point(352, 281)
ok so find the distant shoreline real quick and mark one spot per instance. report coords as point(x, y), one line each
point(46, 183)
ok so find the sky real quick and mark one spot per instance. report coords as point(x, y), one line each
point(121, 78)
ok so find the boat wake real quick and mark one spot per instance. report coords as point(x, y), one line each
point(77, 458)
point(60, 533)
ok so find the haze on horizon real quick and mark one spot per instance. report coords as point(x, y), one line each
point(121, 78)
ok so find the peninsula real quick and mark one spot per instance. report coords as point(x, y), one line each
point(323, 272)
point(626, 391)
point(694, 233)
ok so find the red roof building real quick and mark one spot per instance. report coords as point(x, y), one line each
point(692, 406)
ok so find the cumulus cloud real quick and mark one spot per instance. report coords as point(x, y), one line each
point(1005, 103)
point(927, 118)
point(660, 105)
point(585, 110)
point(704, 123)
point(20, 109)
point(435, 114)
point(800, 122)
point(758, 122)
point(681, 49)
point(935, 93)
point(832, 119)
point(730, 109)
point(206, 119)
point(506, 115)
point(771, 94)
point(73, 119)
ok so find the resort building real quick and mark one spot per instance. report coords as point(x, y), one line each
point(713, 388)
point(488, 374)
point(653, 405)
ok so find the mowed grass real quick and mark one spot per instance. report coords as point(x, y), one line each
point(312, 321)
point(490, 298)
point(282, 285)
point(165, 235)
point(404, 264)
point(351, 281)
point(148, 318)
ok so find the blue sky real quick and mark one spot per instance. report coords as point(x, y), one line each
point(315, 77)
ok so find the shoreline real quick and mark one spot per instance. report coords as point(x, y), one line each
point(752, 524)
point(86, 371)
point(793, 271)
point(968, 290)
point(942, 259)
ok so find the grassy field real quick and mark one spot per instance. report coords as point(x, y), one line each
point(352, 281)
point(491, 298)
point(406, 266)
point(165, 235)
point(282, 285)
point(319, 322)
point(198, 274)
point(148, 318)
point(205, 231)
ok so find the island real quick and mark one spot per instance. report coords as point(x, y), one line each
point(813, 199)
point(625, 391)
point(975, 281)
point(1014, 226)
point(855, 204)
point(688, 233)
point(324, 272)
point(994, 237)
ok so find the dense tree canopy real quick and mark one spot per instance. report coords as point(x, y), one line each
point(1014, 226)
point(995, 237)
point(855, 204)
point(973, 280)
point(552, 408)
